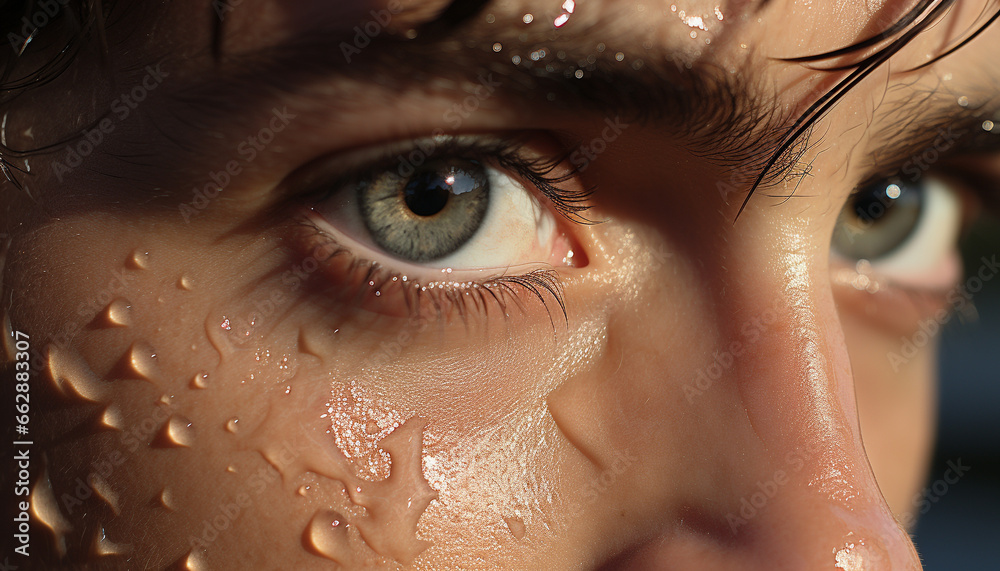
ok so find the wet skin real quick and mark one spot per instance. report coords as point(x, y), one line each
point(227, 388)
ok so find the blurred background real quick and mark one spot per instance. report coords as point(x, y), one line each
point(961, 529)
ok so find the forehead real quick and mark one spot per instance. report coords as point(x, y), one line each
point(688, 25)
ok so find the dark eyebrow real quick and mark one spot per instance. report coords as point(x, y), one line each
point(926, 131)
point(720, 115)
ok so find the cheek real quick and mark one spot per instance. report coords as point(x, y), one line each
point(216, 400)
point(895, 384)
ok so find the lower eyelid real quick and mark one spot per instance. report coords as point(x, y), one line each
point(895, 307)
point(367, 287)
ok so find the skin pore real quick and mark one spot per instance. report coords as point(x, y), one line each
point(221, 378)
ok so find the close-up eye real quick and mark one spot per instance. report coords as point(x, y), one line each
point(907, 231)
point(470, 210)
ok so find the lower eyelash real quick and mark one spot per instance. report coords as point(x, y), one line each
point(374, 285)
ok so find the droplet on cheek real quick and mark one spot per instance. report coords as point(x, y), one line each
point(326, 535)
point(46, 510)
point(118, 313)
point(139, 362)
point(185, 283)
point(176, 432)
point(193, 561)
point(104, 491)
point(199, 381)
point(104, 547)
point(516, 526)
point(138, 260)
point(395, 504)
point(72, 376)
point(111, 418)
point(166, 499)
point(232, 424)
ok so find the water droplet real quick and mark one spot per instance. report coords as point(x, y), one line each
point(231, 469)
point(303, 490)
point(394, 505)
point(193, 561)
point(185, 283)
point(104, 491)
point(46, 510)
point(166, 500)
point(104, 547)
point(72, 375)
point(138, 260)
point(111, 418)
point(963, 101)
point(118, 313)
point(516, 526)
point(527, 18)
point(231, 425)
point(225, 324)
point(372, 427)
point(199, 381)
point(326, 536)
point(176, 432)
point(139, 362)
point(497, 47)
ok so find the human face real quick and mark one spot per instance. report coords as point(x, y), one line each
point(230, 370)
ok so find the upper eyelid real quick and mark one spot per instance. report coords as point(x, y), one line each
point(947, 141)
point(503, 150)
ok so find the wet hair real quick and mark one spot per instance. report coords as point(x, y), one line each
point(63, 27)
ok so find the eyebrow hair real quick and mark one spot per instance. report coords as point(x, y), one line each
point(922, 16)
point(721, 116)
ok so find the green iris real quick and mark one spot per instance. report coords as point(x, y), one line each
point(878, 219)
point(428, 215)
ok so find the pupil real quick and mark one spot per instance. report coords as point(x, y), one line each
point(873, 205)
point(427, 193)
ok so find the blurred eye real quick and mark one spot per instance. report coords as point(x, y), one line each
point(452, 213)
point(905, 230)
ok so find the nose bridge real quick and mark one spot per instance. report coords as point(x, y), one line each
point(767, 419)
point(809, 499)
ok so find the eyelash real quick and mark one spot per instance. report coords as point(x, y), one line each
point(367, 277)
